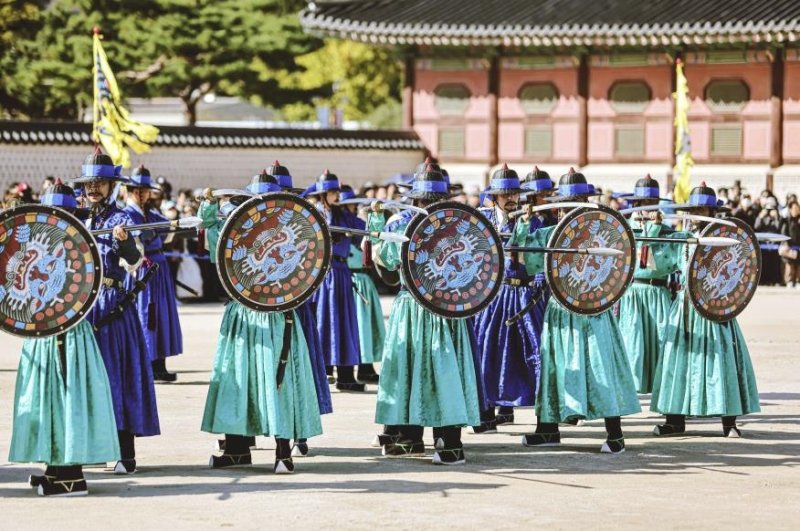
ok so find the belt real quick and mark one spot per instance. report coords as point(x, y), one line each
point(112, 283)
point(337, 258)
point(660, 282)
point(360, 270)
point(516, 282)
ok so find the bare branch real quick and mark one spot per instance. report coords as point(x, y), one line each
point(147, 73)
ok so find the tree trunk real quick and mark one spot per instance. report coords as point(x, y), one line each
point(191, 111)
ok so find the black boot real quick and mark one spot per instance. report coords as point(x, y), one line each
point(675, 425)
point(127, 449)
point(729, 428)
point(160, 372)
point(453, 451)
point(488, 423)
point(546, 434)
point(505, 415)
point(366, 373)
point(300, 448)
point(346, 380)
point(390, 435)
point(615, 442)
point(68, 481)
point(408, 444)
point(237, 452)
point(283, 457)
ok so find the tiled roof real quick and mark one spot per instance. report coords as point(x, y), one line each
point(556, 23)
point(13, 132)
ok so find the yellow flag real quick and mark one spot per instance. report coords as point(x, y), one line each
point(683, 142)
point(113, 127)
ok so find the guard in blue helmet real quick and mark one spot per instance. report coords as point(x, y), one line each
point(243, 397)
point(371, 330)
point(584, 372)
point(644, 308)
point(308, 322)
point(509, 329)
point(536, 188)
point(116, 322)
point(63, 415)
point(337, 315)
point(428, 374)
point(705, 368)
point(156, 303)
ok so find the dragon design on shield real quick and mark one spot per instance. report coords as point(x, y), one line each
point(721, 277)
point(274, 255)
point(589, 272)
point(454, 261)
point(35, 271)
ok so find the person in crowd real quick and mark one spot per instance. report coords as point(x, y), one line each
point(769, 220)
point(789, 251)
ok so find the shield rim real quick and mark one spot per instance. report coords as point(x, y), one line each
point(631, 258)
point(94, 292)
point(297, 301)
point(760, 268)
point(405, 270)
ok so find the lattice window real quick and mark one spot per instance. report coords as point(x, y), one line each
point(727, 95)
point(538, 98)
point(629, 96)
point(451, 99)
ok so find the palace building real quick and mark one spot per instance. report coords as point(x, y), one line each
point(562, 83)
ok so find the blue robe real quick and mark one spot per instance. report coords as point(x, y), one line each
point(157, 304)
point(337, 316)
point(509, 355)
point(122, 343)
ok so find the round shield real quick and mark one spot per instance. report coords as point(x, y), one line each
point(722, 280)
point(51, 271)
point(590, 284)
point(453, 260)
point(274, 251)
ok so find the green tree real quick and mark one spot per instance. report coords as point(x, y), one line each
point(183, 48)
point(366, 80)
point(19, 22)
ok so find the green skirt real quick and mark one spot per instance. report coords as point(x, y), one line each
point(585, 373)
point(371, 330)
point(428, 373)
point(643, 313)
point(243, 398)
point(705, 370)
point(62, 422)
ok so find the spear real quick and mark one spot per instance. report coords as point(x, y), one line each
point(552, 206)
point(191, 222)
point(596, 251)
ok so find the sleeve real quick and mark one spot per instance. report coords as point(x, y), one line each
point(208, 212)
point(387, 254)
point(534, 262)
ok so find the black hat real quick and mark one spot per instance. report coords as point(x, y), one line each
point(140, 178)
point(99, 167)
point(504, 181)
point(327, 182)
point(429, 185)
point(646, 189)
point(263, 183)
point(702, 197)
point(59, 195)
point(537, 182)
point(572, 186)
